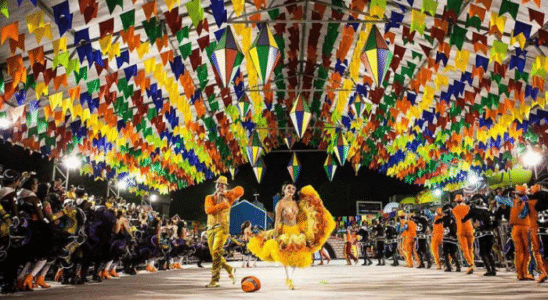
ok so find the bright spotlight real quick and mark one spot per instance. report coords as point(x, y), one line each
point(437, 192)
point(473, 179)
point(122, 185)
point(532, 158)
point(5, 123)
point(72, 162)
point(153, 198)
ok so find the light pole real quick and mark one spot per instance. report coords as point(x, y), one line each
point(70, 162)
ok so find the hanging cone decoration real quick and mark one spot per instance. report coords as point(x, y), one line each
point(341, 150)
point(376, 56)
point(289, 141)
point(259, 170)
point(233, 172)
point(294, 167)
point(300, 116)
point(359, 106)
point(330, 167)
point(254, 148)
point(356, 168)
point(244, 105)
point(264, 54)
point(227, 57)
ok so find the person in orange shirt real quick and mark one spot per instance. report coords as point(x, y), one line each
point(542, 268)
point(217, 207)
point(349, 241)
point(520, 232)
point(465, 232)
point(437, 237)
point(408, 230)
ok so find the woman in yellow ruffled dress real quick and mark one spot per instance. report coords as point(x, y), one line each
point(300, 230)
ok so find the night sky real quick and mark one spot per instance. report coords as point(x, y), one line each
point(339, 196)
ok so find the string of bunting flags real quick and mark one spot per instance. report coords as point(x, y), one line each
point(168, 94)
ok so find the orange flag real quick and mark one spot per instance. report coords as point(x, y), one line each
point(9, 31)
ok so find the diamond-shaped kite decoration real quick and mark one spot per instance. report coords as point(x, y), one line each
point(359, 106)
point(264, 54)
point(300, 116)
point(330, 167)
point(259, 169)
point(289, 141)
point(356, 168)
point(244, 105)
point(341, 149)
point(227, 57)
point(294, 167)
point(254, 148)
point(376, 56)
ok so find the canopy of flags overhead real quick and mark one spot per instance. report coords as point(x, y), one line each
point(166, 94)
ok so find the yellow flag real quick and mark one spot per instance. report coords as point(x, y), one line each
point(55, 100)
point(59, 45)
point(143, 49)
point(35, 20)
point(41, 89)
point(238, 6)
point(461, 59)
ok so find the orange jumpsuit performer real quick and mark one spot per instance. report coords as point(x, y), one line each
point(542, 268)
point(437, 237)
point(408, 230)
point(520, 233)
point(465, 232)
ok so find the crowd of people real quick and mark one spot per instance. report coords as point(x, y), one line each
point(494, 228)
point(49, 234)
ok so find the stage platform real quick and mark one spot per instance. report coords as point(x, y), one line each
point(333, 281)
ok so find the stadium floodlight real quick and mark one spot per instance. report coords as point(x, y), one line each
point(122, 185)
point(72, 162)
point(5, 123)
point(532, 158)
point(438, 192)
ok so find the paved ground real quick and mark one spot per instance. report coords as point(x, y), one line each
point(333, 281)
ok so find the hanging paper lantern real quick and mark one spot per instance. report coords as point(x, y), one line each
point(254, 148)
point(341, 150)
point(227, 57)
point(330, 167)
point(300, 116)
point(259, 169)
point(376, 56)
point(359, 106)
point(244, 105)
point(356, 168)
point(294, 167)
point(264, 54)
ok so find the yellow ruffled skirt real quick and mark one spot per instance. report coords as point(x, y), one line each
point(295, 245)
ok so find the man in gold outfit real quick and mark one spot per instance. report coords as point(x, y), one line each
point(217, 207)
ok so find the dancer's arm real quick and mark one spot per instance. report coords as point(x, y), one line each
point(212, 208)
point(278, 222)
point(234, 194)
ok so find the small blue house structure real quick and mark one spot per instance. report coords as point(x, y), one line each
point(245, 211)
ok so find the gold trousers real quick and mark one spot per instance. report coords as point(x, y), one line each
point(216, 239)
